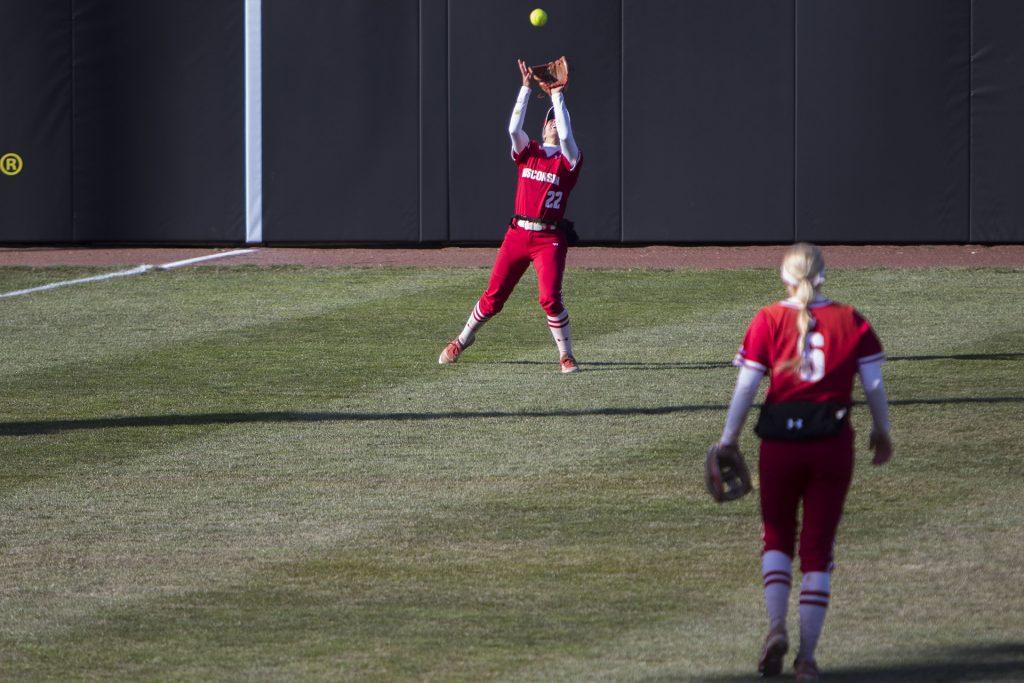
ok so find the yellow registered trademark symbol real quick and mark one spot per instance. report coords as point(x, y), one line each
point(11, 164)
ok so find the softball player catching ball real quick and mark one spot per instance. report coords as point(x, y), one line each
point(811, 348)
point(547, 174)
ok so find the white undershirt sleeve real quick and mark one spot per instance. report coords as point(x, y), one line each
point(565, 140)
point(742, 397)
point(874, 391)
point(515, 125)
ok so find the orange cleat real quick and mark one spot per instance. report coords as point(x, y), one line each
point(568, 364)
point(451, 352)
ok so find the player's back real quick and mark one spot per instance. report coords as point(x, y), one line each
point(838, 340)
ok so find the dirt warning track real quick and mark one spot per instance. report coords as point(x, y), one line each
point(668, 257)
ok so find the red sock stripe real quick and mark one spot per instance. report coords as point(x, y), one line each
point(783, 581)
point(817, 593)
point(777, 572)
point(556, 326)
point(816, 603)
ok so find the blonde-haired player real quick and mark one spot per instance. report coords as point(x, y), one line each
point(811, 348)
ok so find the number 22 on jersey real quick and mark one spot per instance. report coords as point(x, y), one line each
point(554, 200)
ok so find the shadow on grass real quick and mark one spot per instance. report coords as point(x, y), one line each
point(23, 428)
point(964, 356)
point(1001, 662)
point(631, 365)
point(715, 365)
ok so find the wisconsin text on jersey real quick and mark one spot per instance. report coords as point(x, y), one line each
point(533, 174)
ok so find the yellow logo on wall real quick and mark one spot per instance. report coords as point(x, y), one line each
point(11, 164)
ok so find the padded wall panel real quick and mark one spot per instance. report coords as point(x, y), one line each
point(341, 120)
point(35, 121)
point(433, 152)
point(159, 121)
point(997, 122)
point(708, 120)
point(882, 120)
point(486, 37)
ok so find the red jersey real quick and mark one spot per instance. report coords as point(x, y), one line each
point(544, 183)
point(838, 341)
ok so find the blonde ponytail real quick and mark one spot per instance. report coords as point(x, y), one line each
point(804, 268)
point(804, 295)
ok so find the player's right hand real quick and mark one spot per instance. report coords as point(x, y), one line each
point(527, 74)
point(881, 444)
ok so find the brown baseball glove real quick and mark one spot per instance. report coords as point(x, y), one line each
point(552, 75)
point(726, 474)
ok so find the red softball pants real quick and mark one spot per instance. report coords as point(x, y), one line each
point(546, 250)
point(819, 473)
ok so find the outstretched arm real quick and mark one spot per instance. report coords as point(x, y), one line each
point(742, 398)
point(568, 144)
point(515, 125)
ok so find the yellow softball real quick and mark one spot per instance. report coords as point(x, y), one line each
point(538, 17)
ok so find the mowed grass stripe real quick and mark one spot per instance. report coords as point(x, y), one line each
point(329, 359)
point(487, 547)
point(113, 319)
point(281, 587)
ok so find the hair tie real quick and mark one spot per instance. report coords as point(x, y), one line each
point(816, 281)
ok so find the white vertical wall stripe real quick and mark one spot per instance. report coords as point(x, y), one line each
point(253, 121)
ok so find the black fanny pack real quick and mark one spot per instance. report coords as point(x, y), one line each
point(801, 420)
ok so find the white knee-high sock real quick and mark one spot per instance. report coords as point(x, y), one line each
point(815, 590)
point(559, 325)
point(777, 572)
point(475, 322)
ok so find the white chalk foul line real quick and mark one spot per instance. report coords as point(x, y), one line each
point(138, 270)
point(208, 257)
point(82, 280)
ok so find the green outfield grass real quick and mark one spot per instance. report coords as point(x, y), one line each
point(238, 473)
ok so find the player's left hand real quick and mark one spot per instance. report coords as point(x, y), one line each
point(881, 444)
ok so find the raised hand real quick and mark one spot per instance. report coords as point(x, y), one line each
point(527, 74)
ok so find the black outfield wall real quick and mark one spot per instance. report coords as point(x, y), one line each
point(385, 121)
point(882, 128)
point(708, 121)
point(159, 121)
point(341, 121)
point(997, 121)
point(35, 121)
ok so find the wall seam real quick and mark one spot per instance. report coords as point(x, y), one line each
point(447, 125)
point(71, 151)
point(419, 151)
point(796, 110)
point(970, 125)
point(448, 119)
point(622, 118)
